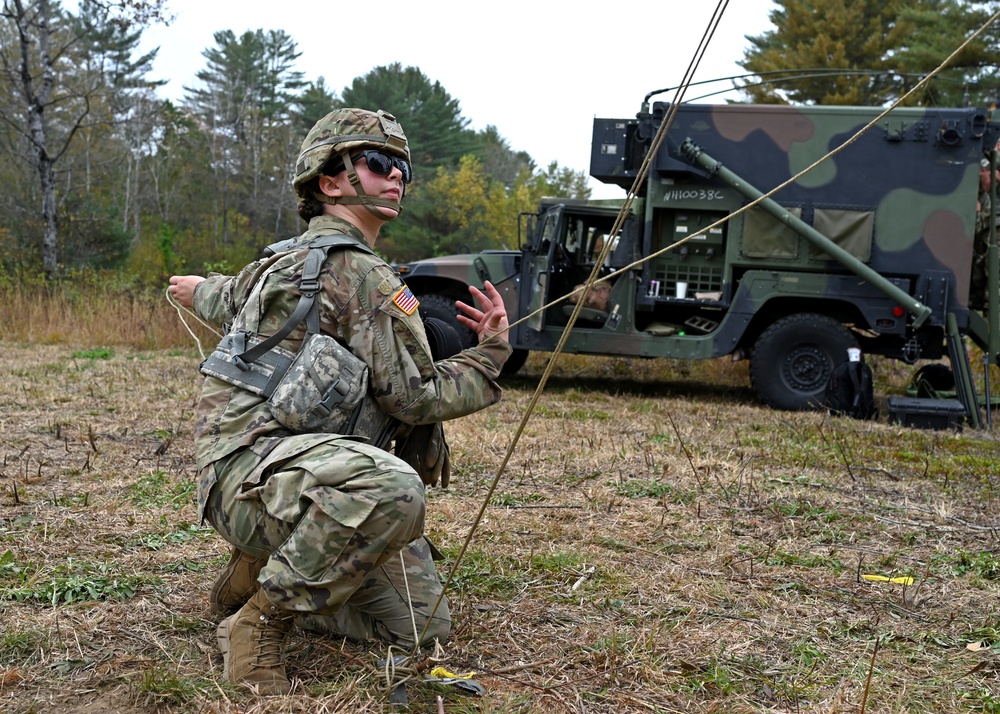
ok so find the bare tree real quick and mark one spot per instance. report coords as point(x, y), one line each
point(53, 100)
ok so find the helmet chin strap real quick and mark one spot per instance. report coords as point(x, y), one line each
point(363, 199)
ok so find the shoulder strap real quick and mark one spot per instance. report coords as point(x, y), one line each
point(308, 287)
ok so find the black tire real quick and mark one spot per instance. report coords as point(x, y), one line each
point(514, 362)
point(792, 360)
point(443, 308)
point(938, 377)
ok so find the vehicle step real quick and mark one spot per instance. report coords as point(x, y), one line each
point(701, 324)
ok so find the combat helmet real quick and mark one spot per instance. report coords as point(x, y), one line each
point(336, 136)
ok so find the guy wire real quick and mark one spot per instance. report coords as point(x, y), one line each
point(713, 23)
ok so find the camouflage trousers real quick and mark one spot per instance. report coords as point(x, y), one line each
point(340, 523)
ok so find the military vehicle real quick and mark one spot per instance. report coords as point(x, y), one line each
point(872, 248)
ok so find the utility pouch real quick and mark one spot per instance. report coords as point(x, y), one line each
point(322, 388)
point(318, 389)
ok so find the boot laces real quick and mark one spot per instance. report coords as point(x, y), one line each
point(271, 636)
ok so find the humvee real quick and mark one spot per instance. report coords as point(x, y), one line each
point(874, 248)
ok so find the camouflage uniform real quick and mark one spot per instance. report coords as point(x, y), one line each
point(340, 519)
point(978, 291)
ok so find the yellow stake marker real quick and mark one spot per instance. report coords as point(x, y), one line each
point(903, 580)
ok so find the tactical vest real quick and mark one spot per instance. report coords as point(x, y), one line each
point(322, 388)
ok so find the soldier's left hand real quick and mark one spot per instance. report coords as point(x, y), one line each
point(425, 449)
point(490, 319)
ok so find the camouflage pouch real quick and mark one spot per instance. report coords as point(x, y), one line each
point(318, 389)
point(322, 388)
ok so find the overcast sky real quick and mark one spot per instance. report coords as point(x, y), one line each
point(539, 71)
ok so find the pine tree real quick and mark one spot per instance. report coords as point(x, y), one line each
point(246, 104)
point(826, 52)
point(870, 52)
point(941, 26)
point(315, 102)
point(437, 132)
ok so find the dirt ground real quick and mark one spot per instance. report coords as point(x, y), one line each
point(658, 542)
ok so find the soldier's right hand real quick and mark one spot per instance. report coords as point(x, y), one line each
point(182, 288)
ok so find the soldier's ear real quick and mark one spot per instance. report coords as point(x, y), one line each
point(330, 185)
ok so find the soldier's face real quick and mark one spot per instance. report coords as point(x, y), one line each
point(388, 186)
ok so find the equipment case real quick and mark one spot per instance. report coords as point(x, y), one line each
point(923, 413)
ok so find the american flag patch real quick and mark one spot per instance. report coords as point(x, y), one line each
point(406, 300)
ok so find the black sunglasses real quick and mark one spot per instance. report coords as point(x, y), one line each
point(382, 163)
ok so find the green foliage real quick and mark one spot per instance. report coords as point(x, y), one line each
point(939, 27)
point(870, 52)
point(316, 101)
point(435, 129)
point(167, 688)
point(96, 353)
point(985, 565)
point(558, 180)
point(169, 537)
point(165, 245)
point(66, 583)
point(713, 678)
point(488, 574)
point(983, 699)
point(468, 209)
point(502, 163)
point(247, 76)
point(824, 40)
point(157, 489)
point(18, 646)
point(91, 234)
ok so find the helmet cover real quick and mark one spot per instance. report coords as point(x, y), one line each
point(342, 131)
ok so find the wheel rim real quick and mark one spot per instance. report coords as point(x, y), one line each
point(805, 369)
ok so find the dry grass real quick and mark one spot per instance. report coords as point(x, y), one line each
point(659, 543)
point(91, 312)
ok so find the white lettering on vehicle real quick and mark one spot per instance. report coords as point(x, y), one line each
point(701, 194)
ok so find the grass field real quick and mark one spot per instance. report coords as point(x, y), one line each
point(659, 542)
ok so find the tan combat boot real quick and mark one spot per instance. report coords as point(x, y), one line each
point(251, 643)
point(236, 583)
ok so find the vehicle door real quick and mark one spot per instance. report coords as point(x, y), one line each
point(537, 266)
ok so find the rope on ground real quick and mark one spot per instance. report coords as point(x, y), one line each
point(409, 599)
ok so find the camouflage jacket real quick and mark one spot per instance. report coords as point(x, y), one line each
point(364, 304)
point(983, 214)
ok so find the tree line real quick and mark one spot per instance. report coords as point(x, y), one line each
point(100, 172)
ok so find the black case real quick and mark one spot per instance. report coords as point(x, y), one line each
point(922, 413)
